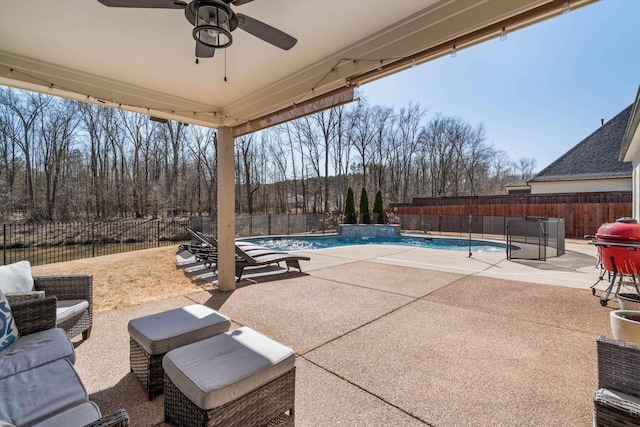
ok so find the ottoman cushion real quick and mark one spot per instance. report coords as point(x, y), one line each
point(38, 393)
point(223, 368)
point(162, 332)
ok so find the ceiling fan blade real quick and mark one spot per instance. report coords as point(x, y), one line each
point(150, 4)
point(204, 51)
point(266, 32)
point(237, 2)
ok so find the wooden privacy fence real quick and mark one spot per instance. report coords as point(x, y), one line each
point(583, 213)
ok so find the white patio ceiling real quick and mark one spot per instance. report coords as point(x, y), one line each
point(143, 59)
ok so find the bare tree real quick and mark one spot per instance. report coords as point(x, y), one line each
point(174, 139)
point(341, 152)
point(246, 154)
point(279, 171)
point(441, 152)
point(312, 153)
point(379, 158)
point(90, 117)
point(71, 159)
point(57, 129)
point(201, 143)
point(409, 129)
point(327, 121)
point(363, 135)
point(24, 109)
point(524, 167)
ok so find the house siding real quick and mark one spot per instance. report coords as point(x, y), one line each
point(586, 186)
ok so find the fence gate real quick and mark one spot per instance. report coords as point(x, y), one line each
point(535, 238)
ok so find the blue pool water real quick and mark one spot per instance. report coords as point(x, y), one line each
point(301, 243)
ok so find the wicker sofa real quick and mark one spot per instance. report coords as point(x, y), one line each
point(617, 401)
point(38, 385)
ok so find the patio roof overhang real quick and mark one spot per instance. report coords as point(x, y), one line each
point(143, 60)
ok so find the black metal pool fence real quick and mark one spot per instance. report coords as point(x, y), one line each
point(532, 238)
point(273, 224)
point(50, 242)
point(535, 238)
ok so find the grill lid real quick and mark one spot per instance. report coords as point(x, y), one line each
point(623, 229)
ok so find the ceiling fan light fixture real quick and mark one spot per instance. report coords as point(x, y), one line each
point(214, 24)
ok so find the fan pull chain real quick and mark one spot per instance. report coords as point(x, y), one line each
point(225, 65)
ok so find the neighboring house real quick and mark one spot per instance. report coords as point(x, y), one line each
point(593, 165)
point(630, 152)
point(518, 187)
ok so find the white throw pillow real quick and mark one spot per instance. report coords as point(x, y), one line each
point(16, 277)
point(8, 331)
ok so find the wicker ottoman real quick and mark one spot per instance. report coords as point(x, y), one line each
point(238, 378)
point(154, 335)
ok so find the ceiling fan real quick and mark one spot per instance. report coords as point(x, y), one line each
point(213, 21)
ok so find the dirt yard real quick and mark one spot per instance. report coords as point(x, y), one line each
point(128, 278)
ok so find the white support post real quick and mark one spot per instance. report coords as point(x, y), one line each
point(226, 211)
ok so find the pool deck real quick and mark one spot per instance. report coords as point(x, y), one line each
point(387, 335)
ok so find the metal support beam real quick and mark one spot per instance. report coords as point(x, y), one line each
point(226, 211)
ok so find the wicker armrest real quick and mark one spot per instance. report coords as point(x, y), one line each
point(619, 401)
point(119, 418)
point(618, 363)
point(69, 287)
point(34, 315)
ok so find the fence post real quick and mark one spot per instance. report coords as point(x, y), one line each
point(269, 224)
point(288, 224)
point(504, 227)
point(4, 244)
point(506, 232)
point(93, 239)
point(158, 233)
point(470, 219)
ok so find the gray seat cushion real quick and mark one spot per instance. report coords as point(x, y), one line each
point(31, 396)
point(30, 351)
point(66, 309)
point(80, 415)
point(162, 332)
point(223, 368)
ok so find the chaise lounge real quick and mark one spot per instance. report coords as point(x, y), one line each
point(249, 255)
point(251, 260)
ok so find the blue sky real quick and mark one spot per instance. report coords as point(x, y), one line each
point(541, 91)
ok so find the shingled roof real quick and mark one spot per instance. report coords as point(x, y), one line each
point(596, 157)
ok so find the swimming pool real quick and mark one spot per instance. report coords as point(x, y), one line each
point(302, 243)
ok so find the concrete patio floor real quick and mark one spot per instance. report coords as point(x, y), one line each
point(388, 335)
